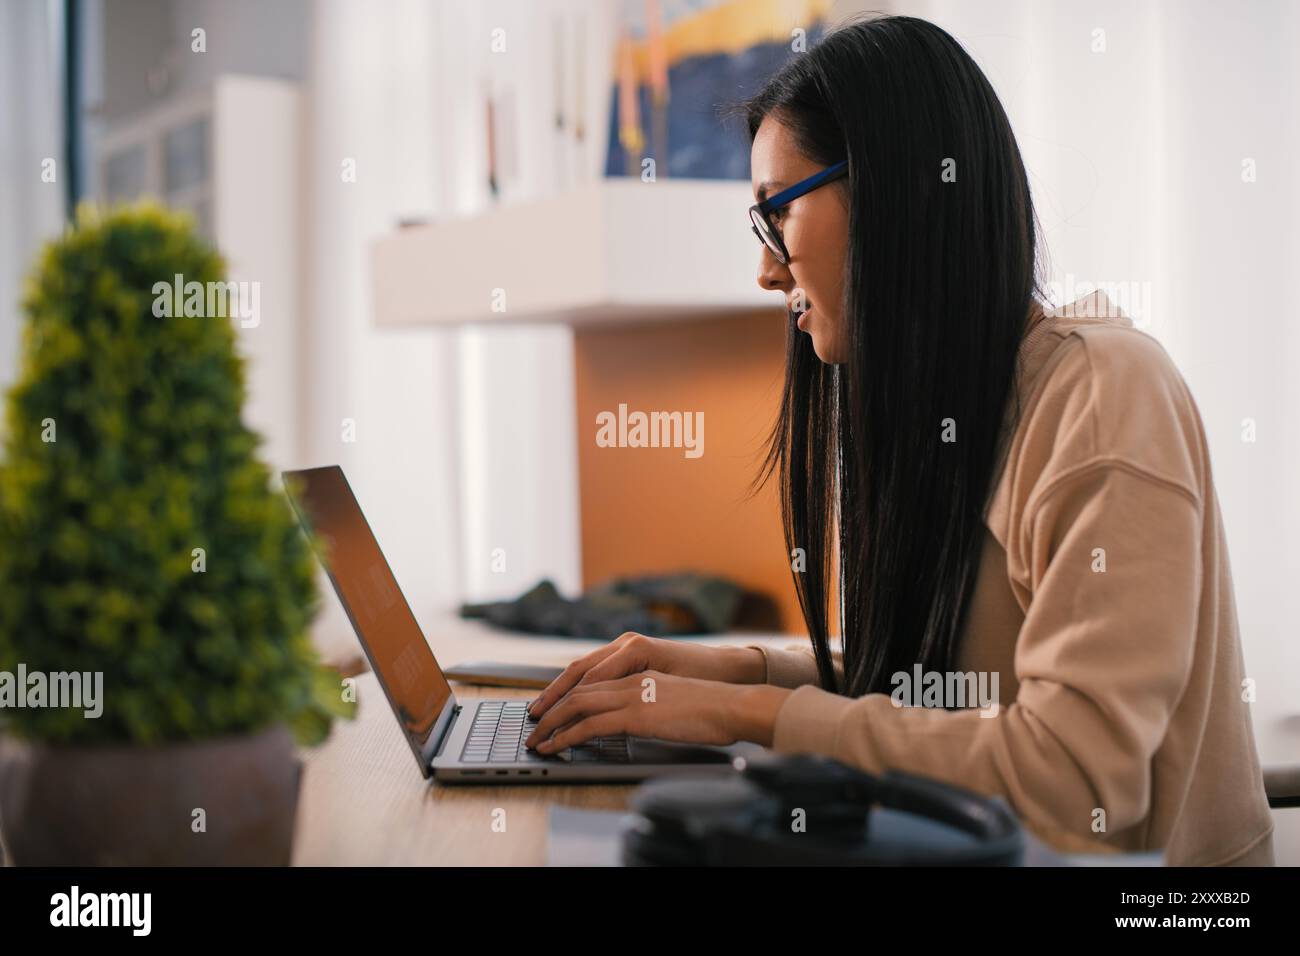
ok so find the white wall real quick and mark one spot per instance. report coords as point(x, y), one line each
point(465, 438)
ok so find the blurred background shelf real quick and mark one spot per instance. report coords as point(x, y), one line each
point(572, 259)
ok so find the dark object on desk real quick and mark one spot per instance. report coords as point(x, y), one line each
point(746, 820)
point(657, 605)
point(498, 674)
point(1282, 784)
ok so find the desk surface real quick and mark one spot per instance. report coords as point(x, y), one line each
point(364, 803)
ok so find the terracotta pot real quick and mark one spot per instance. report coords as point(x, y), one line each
point(135, 806)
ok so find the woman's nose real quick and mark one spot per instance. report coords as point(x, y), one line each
point(771, 274)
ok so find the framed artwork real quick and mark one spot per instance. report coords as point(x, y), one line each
point(678, 62)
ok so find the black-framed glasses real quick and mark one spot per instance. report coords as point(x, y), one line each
point(760, 213)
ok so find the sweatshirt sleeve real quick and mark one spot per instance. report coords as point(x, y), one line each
point(795, 665)
point(1102, 658)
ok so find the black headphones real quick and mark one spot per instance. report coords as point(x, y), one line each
point(749, 818)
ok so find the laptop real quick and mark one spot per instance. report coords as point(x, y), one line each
point(475, 741)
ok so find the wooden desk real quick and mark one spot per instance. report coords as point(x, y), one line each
point(364, 803)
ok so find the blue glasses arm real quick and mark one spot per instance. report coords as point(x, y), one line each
point(806, 186)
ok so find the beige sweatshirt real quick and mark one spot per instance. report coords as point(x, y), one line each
point(1104, 605)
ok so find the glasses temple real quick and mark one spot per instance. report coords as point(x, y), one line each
point(807, 186)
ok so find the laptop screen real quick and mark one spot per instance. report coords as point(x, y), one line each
point(369, 593)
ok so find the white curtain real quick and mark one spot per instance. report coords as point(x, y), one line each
point(31, 132)
point(464, 438)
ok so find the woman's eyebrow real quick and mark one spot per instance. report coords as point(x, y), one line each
point(768, 186)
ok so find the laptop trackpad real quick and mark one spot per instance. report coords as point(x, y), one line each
point(646, 750)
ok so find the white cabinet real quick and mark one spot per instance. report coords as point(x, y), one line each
point(229, 154)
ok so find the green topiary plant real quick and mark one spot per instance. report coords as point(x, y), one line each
point(124, 451)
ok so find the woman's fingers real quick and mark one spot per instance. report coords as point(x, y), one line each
point(579, 669)
point(686, 710)
point(571, 707)
point(605, 724)
point(570, 676)
point(583, 702)
point(629, 658)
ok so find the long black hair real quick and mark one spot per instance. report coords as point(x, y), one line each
point(897, 446)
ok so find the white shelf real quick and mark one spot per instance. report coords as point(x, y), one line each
point(616, 250)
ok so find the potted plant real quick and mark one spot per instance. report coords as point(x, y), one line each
point(143, 547)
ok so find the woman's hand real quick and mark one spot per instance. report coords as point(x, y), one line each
point(663, 706)
point(633, 653)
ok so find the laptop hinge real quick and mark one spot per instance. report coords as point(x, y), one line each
point(442, 728)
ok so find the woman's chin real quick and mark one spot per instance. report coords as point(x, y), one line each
point(824, 350)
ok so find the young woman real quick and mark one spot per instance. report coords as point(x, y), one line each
point(1007, 494)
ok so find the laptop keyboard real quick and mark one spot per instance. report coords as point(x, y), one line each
point(501, 727)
